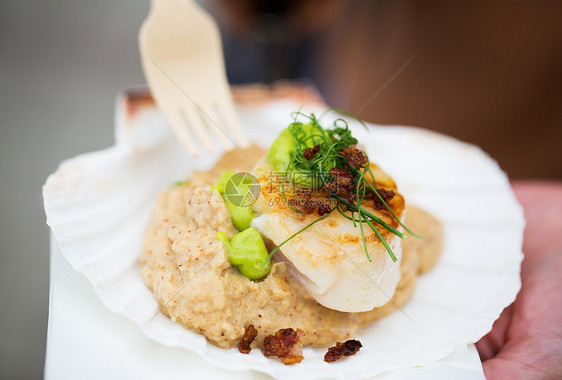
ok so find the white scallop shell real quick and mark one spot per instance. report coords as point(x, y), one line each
point(99, 203)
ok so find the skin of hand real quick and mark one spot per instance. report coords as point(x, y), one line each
point(526, 341)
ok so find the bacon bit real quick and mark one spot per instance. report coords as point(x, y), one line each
point(309, 153)
point(355, 158)
point(387, 195)
point(324, 209)
point(342, 177)
point(305, 204)
point(340, 350)
point(249, 336)
point(342, 185)
point(301, 201)
point(286, 344)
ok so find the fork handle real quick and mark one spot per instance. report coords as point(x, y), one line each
point(161, 2)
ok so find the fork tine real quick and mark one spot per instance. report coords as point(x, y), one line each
point(230, 118)
point(194, 122)
point(178, 126)
point(218, 131)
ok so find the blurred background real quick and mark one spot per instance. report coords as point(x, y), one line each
point(485, 72)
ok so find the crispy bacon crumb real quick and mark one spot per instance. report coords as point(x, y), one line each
point(387, 195)
point(309, 153)
point(342, 185)
point(340, 350)
point(304, 203)
point(286, 344)
point(324, 209)
point(249, 336)
point(354, 156)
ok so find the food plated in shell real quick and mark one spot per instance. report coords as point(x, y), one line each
point(99, 205)
point(326, 268)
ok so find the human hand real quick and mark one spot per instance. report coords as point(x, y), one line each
point(526, 341)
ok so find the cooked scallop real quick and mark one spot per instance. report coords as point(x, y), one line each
point(329, 258)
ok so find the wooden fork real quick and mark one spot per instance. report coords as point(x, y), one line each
point(182, 60)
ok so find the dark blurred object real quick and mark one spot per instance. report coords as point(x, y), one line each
point(265, 41)
point(485, 72)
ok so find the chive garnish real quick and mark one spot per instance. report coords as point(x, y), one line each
point(330, 142)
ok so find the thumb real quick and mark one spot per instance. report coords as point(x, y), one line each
point(529, 359)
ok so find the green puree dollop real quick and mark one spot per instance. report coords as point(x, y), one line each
point(241, 216)
point(247, 252)
point(281, 152)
